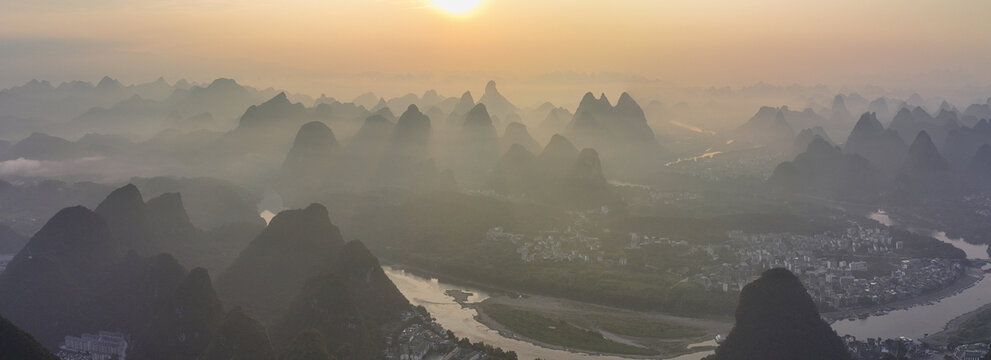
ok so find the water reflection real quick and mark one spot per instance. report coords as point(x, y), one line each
point(709, 154)
point(923, 319)
point(973, 251)
point(920, 320)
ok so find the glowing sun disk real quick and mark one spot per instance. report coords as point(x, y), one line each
point(456, 6)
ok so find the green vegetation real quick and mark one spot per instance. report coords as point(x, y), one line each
point(977, 328)
point(493, 352)
point(444, 233)
point(541, 328)
point(632, 326)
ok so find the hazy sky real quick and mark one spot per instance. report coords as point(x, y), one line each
point(317, 45)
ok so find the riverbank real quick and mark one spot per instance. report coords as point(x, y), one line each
point(449, 279)
point(577, 313)
point(964, 282)
point(952, 327)
point(591, 317)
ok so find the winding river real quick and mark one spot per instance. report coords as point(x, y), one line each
point(918, 321)
point(915, 322)
point(430, 294)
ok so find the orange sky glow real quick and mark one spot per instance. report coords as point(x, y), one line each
point(317, 46)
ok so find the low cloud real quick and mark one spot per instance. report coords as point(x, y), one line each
point(20, 166)
point(44, 168)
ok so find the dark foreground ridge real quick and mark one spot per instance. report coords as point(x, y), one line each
point(777, 320)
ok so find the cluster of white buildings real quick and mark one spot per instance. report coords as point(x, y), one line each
point(419, 337)
point(554, 245)
point(836, 268)
point(104, 345)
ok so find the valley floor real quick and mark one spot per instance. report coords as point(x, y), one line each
point(626, 332)
point(961, 284)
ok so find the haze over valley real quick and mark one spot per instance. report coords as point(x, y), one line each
point(466, 179)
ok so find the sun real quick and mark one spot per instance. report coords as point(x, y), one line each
point(456, 6)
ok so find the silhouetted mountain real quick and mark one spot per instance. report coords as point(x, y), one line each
point(925, 173)
point(368, 146)
point(109, 84)
point(134, 115)
point(557, 119)
point(404, 101)
point(978, 111)
point(211, 203)
point(516, 133)
point(162, 225)
point(516, 173)
point(586, 185)
point(279, 260)
point(240, 337)
point(429, 99)
point(335, 111)
point(497, 104)
point(981, 161)
point(908, 123)
point(263, 130)
point(587, 171)
point(27, 205)
point(805, 137)
point(324, 303)
point(408, 146)
point(596, 121)
point(374, 134)
point(823, 169)
point(104, 145)
point(40, 146)
point(950, 119)
point(379, 106)
point(456, 118)
point(633, 122)
point(376, 297)
point(883, 148)
point(156, 90)
point(10, 241)
point(923, 156)
point(979, 167)
point(477, 146)
point(17, 344)
point(807, 119)
point(777, 319)
point(839, 114)
point(879, 107)
point(75, 237)
point(223, 98)
point(42, 288)
point(767, 127)
point(168, 215)
point(435, 112)
point(367, 100)
point(558, 157)
point(184, 327)
point(126, 214)
point(479, 125)
point(311, 160)
point(309, 344)
point(961, 143)
point(275, 111)
point(946, 106)
point(385, 113)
